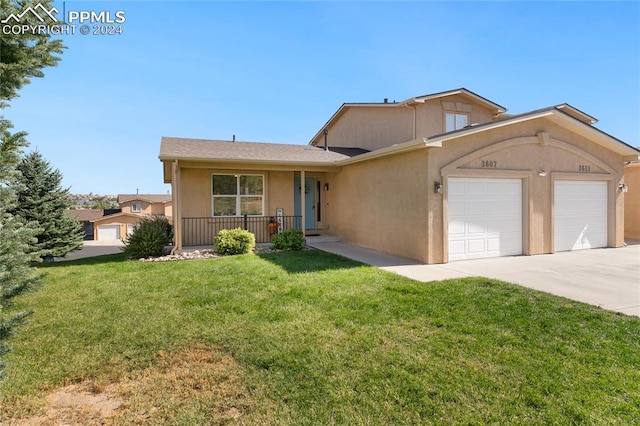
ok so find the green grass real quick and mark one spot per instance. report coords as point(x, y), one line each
point(313, 338)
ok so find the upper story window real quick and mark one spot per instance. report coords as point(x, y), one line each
point(136, 207)
point(237, 195)
point(455, 121)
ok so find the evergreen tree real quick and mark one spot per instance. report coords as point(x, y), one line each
point(16, 276)
point(22, 56)
point(42, 200)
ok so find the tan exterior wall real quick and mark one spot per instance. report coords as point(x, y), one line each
point(430, 116)
point(371, 128)
point(632, 202)
point(381, 204)
point(147, 208)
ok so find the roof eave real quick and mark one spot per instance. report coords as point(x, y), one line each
point(557, 116)
point(383, 152)
point(296, 164)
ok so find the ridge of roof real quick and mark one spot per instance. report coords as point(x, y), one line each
point(151, 198)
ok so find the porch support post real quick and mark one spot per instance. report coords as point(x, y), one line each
point(177, 207)
point(302, 200)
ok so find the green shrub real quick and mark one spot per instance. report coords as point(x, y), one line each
point(289, 240)
point(149, 238)
point(234, 241)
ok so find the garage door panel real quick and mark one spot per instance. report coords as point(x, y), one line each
point(580, 215)
point(486, 215)
point(108, 232)
point(476, 246)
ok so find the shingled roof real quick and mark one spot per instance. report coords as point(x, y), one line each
point(150, 198)
point(219, 150)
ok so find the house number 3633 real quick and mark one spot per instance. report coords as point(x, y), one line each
point(490, 164)
point(584, 168)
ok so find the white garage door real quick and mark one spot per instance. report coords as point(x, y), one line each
point(580, 215)
point(485, 217)
point(108, 232)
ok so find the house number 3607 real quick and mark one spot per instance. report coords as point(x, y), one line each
point(490, 164)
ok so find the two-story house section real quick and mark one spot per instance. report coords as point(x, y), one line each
point(440, 177)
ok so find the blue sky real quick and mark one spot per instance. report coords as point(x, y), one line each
point(276, 71)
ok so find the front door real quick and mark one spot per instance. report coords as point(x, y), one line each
point(309, 201)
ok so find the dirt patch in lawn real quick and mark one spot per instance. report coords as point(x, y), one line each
point(198, 385)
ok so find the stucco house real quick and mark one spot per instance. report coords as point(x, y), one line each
point(134, 207)
point(435, 178)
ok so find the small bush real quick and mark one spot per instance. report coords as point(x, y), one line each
point(289, 240)
point(234, 241)
point(149, 238)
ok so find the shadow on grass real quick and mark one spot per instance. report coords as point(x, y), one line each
point(95, 260)
point(300, 262)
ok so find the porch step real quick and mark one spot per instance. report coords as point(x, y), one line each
point(322, 239)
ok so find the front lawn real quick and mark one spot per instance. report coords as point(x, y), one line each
point(313, 338)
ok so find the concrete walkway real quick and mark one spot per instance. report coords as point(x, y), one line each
point(609, 278)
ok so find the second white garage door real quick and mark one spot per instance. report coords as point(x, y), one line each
point(580, 215)
point(485, 217)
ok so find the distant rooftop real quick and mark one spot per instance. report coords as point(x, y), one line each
point(150, 198)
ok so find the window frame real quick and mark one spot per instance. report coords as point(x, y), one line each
point(138, 209)
point(455, 115)
point(238, 195)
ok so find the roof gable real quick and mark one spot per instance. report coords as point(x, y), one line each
point(492, 106)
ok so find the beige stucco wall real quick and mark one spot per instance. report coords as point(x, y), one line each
point(371, 128)
point(389, 204)
point(146, 208)
point(375, 127)
point(430, 116)
point(632, 202)
point(381, 204)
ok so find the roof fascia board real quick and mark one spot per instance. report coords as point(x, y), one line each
point(498, 108)
point(555, 115)
point(383, 152)
point(273, 164)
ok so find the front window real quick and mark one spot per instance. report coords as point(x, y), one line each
point(237, 195)
point(137, 207)
point(455, 121)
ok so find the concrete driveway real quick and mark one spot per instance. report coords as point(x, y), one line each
point(609, 278)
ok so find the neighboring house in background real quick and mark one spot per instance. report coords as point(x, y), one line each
point(435, 178)
point(632, 201)
point(133, 208)
point(86, 217)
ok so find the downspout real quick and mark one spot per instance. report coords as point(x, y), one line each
point(415, 130)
